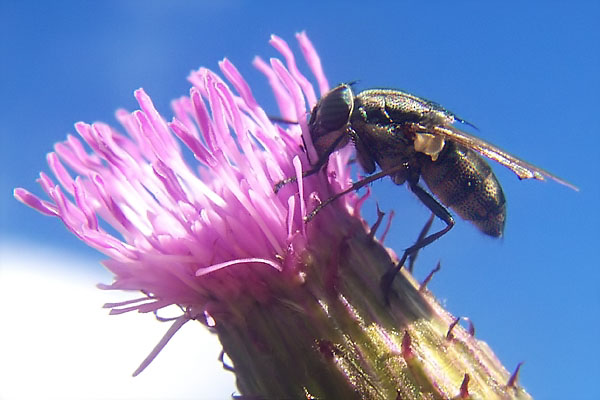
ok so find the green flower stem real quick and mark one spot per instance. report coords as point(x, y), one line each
point(331, 335)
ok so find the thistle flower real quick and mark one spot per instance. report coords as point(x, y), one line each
point(296, 305)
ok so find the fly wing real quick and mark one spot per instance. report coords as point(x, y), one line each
point(521, 168)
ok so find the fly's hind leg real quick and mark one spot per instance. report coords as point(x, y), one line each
point(422, 235)
point(440, 211)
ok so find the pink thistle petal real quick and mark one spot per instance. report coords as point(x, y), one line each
point(83, 204)
point(294, 89)
point(203, 119)
point(152, 121)
point(282, 95)
point(46, 183)
point(290, 216)
point(284, 49)
point(179, 322)
point(216, 267)
point(233, 76)
point(300, 178)
point(60, 172)
point(200, 152)
point(123, 303)
point(299, 104)
point(34, 202)
point(184, 112)
point(313, 60)
point(142, 147)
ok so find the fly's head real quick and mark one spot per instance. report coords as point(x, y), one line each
point(329, 122)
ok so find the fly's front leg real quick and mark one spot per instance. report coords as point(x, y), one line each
point(306, 173)
point(315, 168)
point(436, 208)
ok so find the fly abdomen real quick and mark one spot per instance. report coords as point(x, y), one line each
point(463, 181)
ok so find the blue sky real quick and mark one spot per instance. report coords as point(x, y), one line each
point(527, 75)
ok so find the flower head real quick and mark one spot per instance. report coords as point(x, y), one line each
point(193, 233)
point(187, 213)
point(198, 234)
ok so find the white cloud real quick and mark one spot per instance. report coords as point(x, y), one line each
point(56, 342)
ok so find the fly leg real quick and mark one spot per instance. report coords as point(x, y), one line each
point(436, 208)
point(315, 168)
point(422, 234)
point(355, 186)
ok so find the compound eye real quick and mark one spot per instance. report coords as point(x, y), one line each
point(333, 110)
